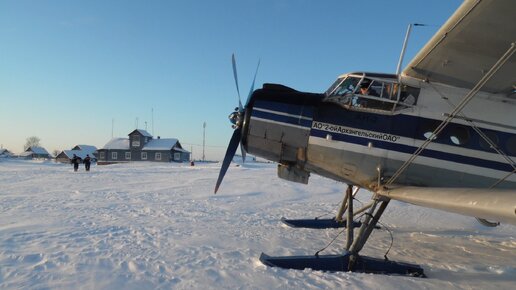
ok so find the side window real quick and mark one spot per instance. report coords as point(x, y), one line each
point(409, 95)
point(492, 137)
point(376, 88)
point(157, 156)
point(427, 129)
point(459, 135)
point(144, 155)
point(114, 155)
point(127, 155)
point(102, 155)
point(511, 145)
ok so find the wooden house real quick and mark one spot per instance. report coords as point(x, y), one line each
point(79, 150)
point(35, 152)
point(141, 146)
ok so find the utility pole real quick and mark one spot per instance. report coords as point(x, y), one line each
point(203, 140)
point(152, 116)
point(112, 127)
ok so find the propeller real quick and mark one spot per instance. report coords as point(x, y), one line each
point(237, 119)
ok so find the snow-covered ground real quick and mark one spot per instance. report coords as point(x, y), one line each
point(159, 226)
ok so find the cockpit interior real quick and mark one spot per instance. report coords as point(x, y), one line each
point(372, 92)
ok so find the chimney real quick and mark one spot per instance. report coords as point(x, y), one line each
point(159, 137)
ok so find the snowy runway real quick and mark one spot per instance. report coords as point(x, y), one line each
point(159, 226)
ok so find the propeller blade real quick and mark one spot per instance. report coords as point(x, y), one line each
point(236, 81)
point(230, 152)
point(243, 153)
point(252, 85)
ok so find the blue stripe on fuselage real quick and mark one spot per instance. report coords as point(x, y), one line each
point(411, 149)
point(282, 118)
point(297, 114)
point(408, 126)
point(299, 110)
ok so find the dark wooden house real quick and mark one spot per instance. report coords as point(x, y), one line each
point(141, 146)
point(79, 150)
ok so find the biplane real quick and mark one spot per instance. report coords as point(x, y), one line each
point(439, 134)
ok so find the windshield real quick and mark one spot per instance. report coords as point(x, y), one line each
point(343, 86)
point(348, 86)
point(333, 86)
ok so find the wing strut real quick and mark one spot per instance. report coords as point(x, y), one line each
point(483, 136)
point(501, 61)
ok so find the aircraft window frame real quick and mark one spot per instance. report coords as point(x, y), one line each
point(375, 97)
point(388, 95)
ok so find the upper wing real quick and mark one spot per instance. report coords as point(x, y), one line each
point(468, 45)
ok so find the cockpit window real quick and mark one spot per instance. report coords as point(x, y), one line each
point(366, 93)
point(348, 86)
point(333, 86)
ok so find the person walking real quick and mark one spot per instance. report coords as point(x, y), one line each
point(75, 161)
point(87, 162)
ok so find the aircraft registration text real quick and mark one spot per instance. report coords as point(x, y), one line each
point(354, 132)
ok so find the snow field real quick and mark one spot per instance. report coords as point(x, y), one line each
point(159, 226)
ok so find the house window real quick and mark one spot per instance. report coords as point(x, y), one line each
point(157, 156)
point(144, 155)
point(136, 141)
point(177, 156)
point(127, 155)
point(114, 155)
point(102, 155)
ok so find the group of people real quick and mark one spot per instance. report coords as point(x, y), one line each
point(76, 160)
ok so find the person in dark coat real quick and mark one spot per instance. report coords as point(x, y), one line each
point(75, 161)
point(87, 162)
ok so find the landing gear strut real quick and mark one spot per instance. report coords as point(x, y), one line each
point(350, 260)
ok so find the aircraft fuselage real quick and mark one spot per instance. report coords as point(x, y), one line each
point(305, 132)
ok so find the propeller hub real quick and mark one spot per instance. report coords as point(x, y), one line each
point(236, 118)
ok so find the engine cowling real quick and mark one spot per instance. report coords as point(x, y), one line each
point(277, 126)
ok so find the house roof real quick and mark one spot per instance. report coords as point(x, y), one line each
point(4, 151)
point(79, 153)
point(37, 150)
point(160, 144)
point(88, 148)
point(117, 143)
point(142, 132)
point(181, 150)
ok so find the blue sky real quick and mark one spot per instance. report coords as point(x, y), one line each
point(68, 68)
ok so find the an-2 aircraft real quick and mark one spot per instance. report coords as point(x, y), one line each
point(440, 134)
